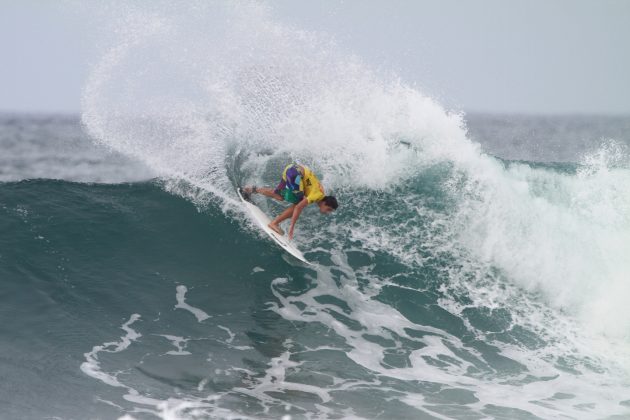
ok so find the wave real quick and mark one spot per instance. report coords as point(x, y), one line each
point(266, 93)
point(400, 322)
point(499, 280)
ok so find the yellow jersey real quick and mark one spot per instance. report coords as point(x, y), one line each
point(298, 182)
point(313, 190)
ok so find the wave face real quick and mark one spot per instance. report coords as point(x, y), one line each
point(141, 305)
point(450, 283)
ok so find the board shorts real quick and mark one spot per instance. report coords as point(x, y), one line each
point(289, 186)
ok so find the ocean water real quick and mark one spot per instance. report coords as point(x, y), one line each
point(477, 267)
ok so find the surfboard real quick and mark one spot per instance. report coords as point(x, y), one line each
point(263, 220)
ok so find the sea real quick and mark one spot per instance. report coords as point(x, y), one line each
point(478, 265)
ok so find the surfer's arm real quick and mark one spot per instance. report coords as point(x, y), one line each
point(296, 213)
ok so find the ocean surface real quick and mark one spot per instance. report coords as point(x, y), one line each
point(477, 267)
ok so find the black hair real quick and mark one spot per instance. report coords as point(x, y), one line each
point(331, 202)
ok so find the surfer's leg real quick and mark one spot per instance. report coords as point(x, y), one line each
point(269, 193)
point(286, 214)
point(264, 191)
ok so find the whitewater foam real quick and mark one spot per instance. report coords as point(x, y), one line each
point(200, 314)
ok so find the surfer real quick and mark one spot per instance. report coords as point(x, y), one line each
point(300, 187)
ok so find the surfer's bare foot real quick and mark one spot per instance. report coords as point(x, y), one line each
point(276, 228)
point(249, 190)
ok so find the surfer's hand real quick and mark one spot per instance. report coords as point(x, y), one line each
point(291, 235)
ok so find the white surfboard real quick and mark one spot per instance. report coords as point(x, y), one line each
point(263, 220)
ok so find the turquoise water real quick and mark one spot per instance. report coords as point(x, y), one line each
point(126, 299)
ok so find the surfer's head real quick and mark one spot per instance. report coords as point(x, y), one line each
point(328, 204)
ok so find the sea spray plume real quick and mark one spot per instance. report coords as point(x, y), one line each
point(127, 105)
point(182, 93)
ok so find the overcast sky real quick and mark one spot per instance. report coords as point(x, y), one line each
point(529, 56)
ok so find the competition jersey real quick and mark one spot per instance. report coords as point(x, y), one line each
point(313, 191)
point(298, 182)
